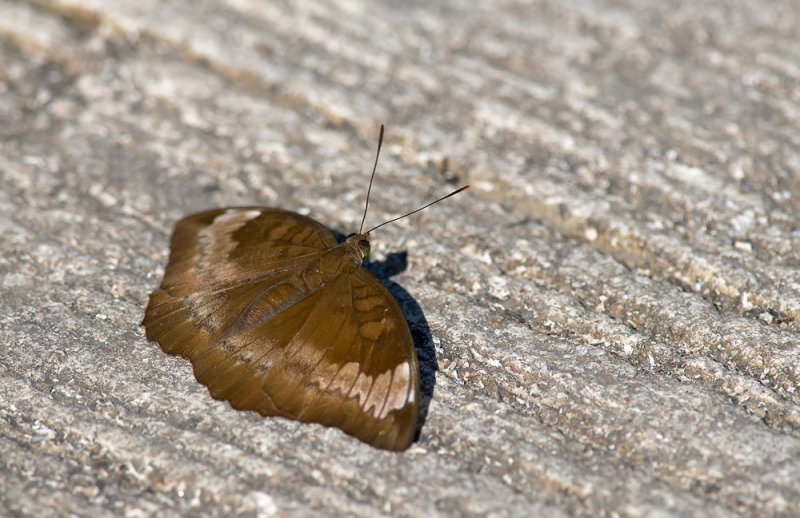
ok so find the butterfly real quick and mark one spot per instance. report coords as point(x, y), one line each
point(278, 317)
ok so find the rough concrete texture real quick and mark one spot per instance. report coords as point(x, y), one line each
point(608, 321)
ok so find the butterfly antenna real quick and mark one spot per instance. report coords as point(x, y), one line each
point(419, 209)
point(372, 177)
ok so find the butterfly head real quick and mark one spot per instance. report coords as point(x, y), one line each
point(360, 243)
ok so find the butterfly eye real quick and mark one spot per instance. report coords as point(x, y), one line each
point(363, 245)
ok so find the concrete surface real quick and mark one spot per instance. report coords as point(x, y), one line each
point(611, 315)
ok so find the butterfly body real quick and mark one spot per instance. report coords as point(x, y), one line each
point(278, 317)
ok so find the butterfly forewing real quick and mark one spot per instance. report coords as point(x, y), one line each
point(233, 245)
point(239, 300)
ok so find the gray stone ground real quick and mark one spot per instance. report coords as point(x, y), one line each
point(608, 321)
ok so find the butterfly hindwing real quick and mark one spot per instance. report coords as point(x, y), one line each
point(351, 364)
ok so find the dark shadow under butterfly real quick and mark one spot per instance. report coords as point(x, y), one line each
point(278, 317)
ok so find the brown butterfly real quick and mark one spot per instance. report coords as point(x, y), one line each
point(278, 317)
